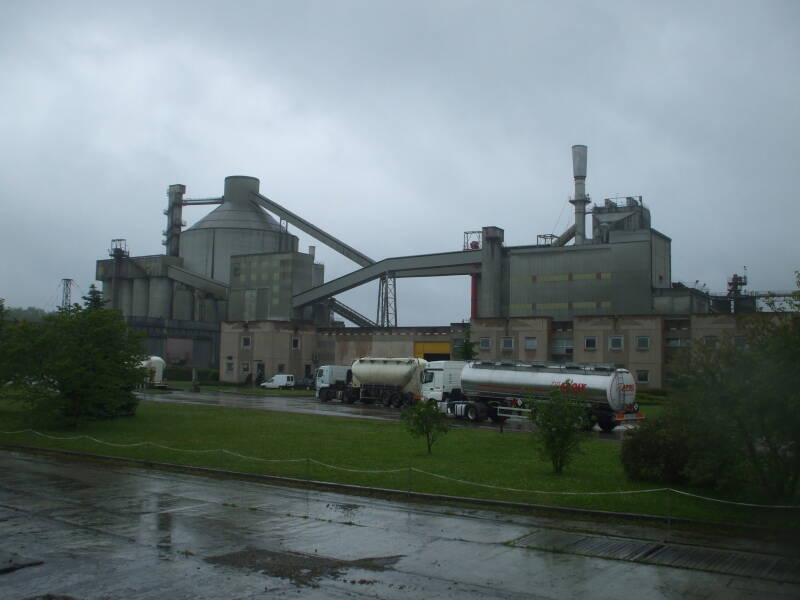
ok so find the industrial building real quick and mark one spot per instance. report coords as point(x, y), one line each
point(234, 291)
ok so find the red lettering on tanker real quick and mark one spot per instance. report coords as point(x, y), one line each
point(569, 387)
point(628, 387)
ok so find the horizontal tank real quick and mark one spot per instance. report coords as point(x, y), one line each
point(603, 385)
point(386, 371)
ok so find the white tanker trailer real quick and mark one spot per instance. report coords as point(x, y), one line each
point(390, 381)
point(497, 390)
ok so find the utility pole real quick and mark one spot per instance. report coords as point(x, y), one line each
point(66, 293)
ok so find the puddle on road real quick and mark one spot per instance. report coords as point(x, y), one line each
point(300, 569)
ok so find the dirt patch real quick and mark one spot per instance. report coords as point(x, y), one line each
point(299, 568)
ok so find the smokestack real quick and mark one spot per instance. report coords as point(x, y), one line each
point(580, 199)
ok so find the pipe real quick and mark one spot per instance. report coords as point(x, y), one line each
point(474, 296)
point(580, 199)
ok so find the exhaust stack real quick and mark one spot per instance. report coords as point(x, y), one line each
point(580, 199)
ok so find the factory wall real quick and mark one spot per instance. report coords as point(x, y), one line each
point(209, 251)
point(436, 343)
point(561, 282)
point(259, 350)
point(262, 285)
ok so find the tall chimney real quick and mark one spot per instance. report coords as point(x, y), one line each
point(580, 199)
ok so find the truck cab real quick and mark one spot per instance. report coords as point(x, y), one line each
point(441, 380)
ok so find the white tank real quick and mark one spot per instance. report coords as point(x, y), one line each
point(398, 372)
point(156, 365)
point(604, 385)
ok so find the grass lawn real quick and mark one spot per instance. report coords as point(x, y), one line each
point(479, 456)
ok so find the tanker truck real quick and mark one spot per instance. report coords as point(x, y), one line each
point(389, 381)
point(500, 390)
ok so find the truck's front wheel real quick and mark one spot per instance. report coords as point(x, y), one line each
point(473, 413)
point(607, 425)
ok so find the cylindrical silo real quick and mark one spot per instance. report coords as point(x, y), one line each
point(125, 292)
point(182, 304)
point(237, 226)
point(141, 297)
point(160, 302)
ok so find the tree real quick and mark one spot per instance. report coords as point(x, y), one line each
point(79, 363)
point(424, 419)
point(560, 422)
point(93, 298)
point(740, 421)
point(465, 350)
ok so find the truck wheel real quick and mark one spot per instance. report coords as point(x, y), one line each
point(397, 400)
point(471, 412)
point(348, 397)
point(386, 399)
point(324, 395)
point(607, 425)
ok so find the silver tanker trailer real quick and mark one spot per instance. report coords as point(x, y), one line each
point(499, 390)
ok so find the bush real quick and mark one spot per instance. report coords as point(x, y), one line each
point(686, 444)
point(656, 451)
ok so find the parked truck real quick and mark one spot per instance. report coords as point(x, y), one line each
point(441, 380)
point(499, 390)
point(331, 381)
point(389, 381)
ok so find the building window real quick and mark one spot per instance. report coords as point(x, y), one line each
point(281, 368)
point(507, 343)
point(530, 343)
point(615, 342)
point(711, 341)
point(642, 342)
point(590, 342)
point(245, 367)
point(229, 367)
point(485, 343)
point(643, 376)
point(678, 342)
point(246, 342)
point(295, 343)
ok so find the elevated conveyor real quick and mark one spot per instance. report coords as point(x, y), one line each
point(422, 265)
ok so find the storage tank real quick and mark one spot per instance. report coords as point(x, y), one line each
point(610, 386)
point(237, 226)
point(393, 381)
point(156, 366)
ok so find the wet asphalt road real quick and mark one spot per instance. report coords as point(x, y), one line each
point(96, 531)
point(311, 405)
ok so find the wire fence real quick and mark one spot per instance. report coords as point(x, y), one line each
point(408, 470)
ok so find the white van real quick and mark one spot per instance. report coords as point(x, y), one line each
point(280, 381)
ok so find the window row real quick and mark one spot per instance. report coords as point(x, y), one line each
point(616, 342)
point(590, 342)
point(247, 343)
point(507, 343)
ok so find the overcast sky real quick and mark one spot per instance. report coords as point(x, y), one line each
point(397, 126)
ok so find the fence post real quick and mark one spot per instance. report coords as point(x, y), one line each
point(408, 482)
